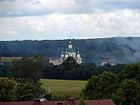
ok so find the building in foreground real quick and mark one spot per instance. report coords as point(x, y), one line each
point(69, 102)
point(68, 52)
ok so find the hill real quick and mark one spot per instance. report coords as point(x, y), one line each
point(123, 50)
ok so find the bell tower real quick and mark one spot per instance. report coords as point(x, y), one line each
point(70, 45)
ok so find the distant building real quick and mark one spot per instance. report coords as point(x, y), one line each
point(68, 52)
point(55, 61)
point(106, 60)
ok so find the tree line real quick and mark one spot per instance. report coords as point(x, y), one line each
point(68, 70)
point(120, 82)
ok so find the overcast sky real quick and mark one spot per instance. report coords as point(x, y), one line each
point(60, 19)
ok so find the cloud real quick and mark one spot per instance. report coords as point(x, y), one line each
point(59, 26)
point(9, 32)
point(7, 0)
point(46, 7)
point(57, 19)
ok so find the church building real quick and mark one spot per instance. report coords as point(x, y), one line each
point(68, 52)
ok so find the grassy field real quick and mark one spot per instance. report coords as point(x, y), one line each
point(64, 85)
point(64, 89)
point(9, 59)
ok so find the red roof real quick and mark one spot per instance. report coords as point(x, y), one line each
point(76, 102)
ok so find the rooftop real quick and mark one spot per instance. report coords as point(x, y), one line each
point(70, 102)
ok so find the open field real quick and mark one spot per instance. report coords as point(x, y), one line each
point(9, 59)
point(64, 85)
point(63, 89)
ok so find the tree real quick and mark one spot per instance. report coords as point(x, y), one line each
point(131, 71)
point(27, 72)
point(102, 86)
point(7, 89)
point(70, 63)
point(91, 87)
point(28, 69)
point(128, 93)
point(29, 91)
point(108, 84)
point(38, 66)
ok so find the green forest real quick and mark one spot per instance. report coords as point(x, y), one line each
point(123, 50)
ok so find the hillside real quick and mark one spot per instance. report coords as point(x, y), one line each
point(123, 50)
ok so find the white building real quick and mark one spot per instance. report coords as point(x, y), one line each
point(70, 52)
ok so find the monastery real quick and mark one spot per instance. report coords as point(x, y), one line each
point(68, 52)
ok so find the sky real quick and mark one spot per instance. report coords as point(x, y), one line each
point(62, 19)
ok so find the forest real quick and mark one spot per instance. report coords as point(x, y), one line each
point(122, 50)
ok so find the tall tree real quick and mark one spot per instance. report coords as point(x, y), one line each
point(28, 69)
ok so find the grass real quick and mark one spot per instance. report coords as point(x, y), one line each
point(63, 85)
point(9, 59)
point(64, 89)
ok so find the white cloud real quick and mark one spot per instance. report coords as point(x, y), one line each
point(8, 32)
point(44, 7)
point(58, 26)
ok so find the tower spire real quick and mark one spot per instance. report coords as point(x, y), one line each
point(70, 37)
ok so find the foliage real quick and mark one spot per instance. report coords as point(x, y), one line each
point(131, 71)
point(39, 67)
point(29, 91)
point(70, 63)
point(129, 93)
point(27, 72)
point(72, 71)
point(123, 88)
point(102, 86)
point(7, 89)
point(28, 69)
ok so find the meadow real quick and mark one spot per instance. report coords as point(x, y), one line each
point(9, 59)
point(63, 85)
point(63, 89)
